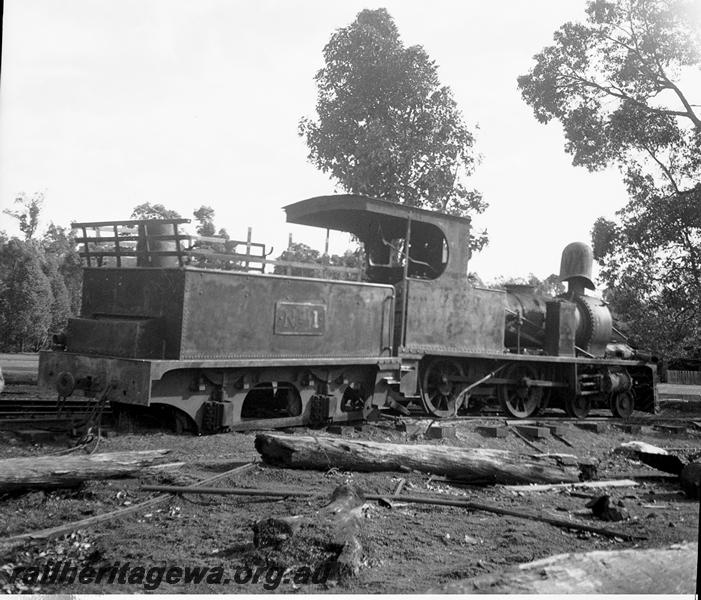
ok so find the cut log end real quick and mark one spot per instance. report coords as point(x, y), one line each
point(272, 453)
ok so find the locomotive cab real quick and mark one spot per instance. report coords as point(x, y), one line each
point(400, 241)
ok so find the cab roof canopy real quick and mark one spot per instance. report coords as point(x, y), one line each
point(360, 214)
point(376, 221)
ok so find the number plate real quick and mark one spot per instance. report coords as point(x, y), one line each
point(300, 318)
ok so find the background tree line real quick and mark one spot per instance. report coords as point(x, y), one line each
point(40, 279)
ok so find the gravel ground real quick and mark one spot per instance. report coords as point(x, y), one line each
point(408, 548)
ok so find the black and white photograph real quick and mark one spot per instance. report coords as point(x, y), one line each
point(350, 297)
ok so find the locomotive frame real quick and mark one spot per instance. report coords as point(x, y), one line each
point(220, 350)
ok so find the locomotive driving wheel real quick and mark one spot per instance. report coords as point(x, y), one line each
point(622, 404)
point(520, 400)
point(439, 391)
point(577, 406)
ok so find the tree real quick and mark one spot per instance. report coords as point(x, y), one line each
point(63, 262)
point(550, 286)
point(616, 83)
point(26, 296)
point(28, 213)
point(153, 211)
point(204, 216)
point(60, 307)
point(386, 127)
point(40, 279)
point(475, 279)
point(301, 253)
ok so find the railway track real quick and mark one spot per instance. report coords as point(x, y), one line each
point(22, 412)
point(17, 412)
point(635, 419)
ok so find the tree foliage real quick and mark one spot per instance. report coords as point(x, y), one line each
point(60, 253)
point(550, 286)
point(40, 280)
point(301, 253)
point(27, 213)
point(617, 85)
point(153, 211)
point(26, 296)
point(386, 127)
point(204, 216)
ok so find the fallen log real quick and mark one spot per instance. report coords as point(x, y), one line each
point(632, 449)
point(466, 464)
point(51, 472)
point(670, 570)
point(660, 459)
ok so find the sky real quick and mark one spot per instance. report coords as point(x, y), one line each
point(106, 104)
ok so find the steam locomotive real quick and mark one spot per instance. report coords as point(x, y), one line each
point(221, 350)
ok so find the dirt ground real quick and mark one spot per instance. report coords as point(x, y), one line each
point(408, 548)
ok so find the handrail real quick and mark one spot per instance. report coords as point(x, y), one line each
point(131, 245)
point(130, 222)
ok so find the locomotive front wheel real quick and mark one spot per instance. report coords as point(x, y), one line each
point(622, 404)
point(520, 400)
point(439, 391)
point(578, 406)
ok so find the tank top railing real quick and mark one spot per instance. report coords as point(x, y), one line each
point(159, 243)
point(151, 242)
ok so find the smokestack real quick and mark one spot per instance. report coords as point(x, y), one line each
point(576, 267)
